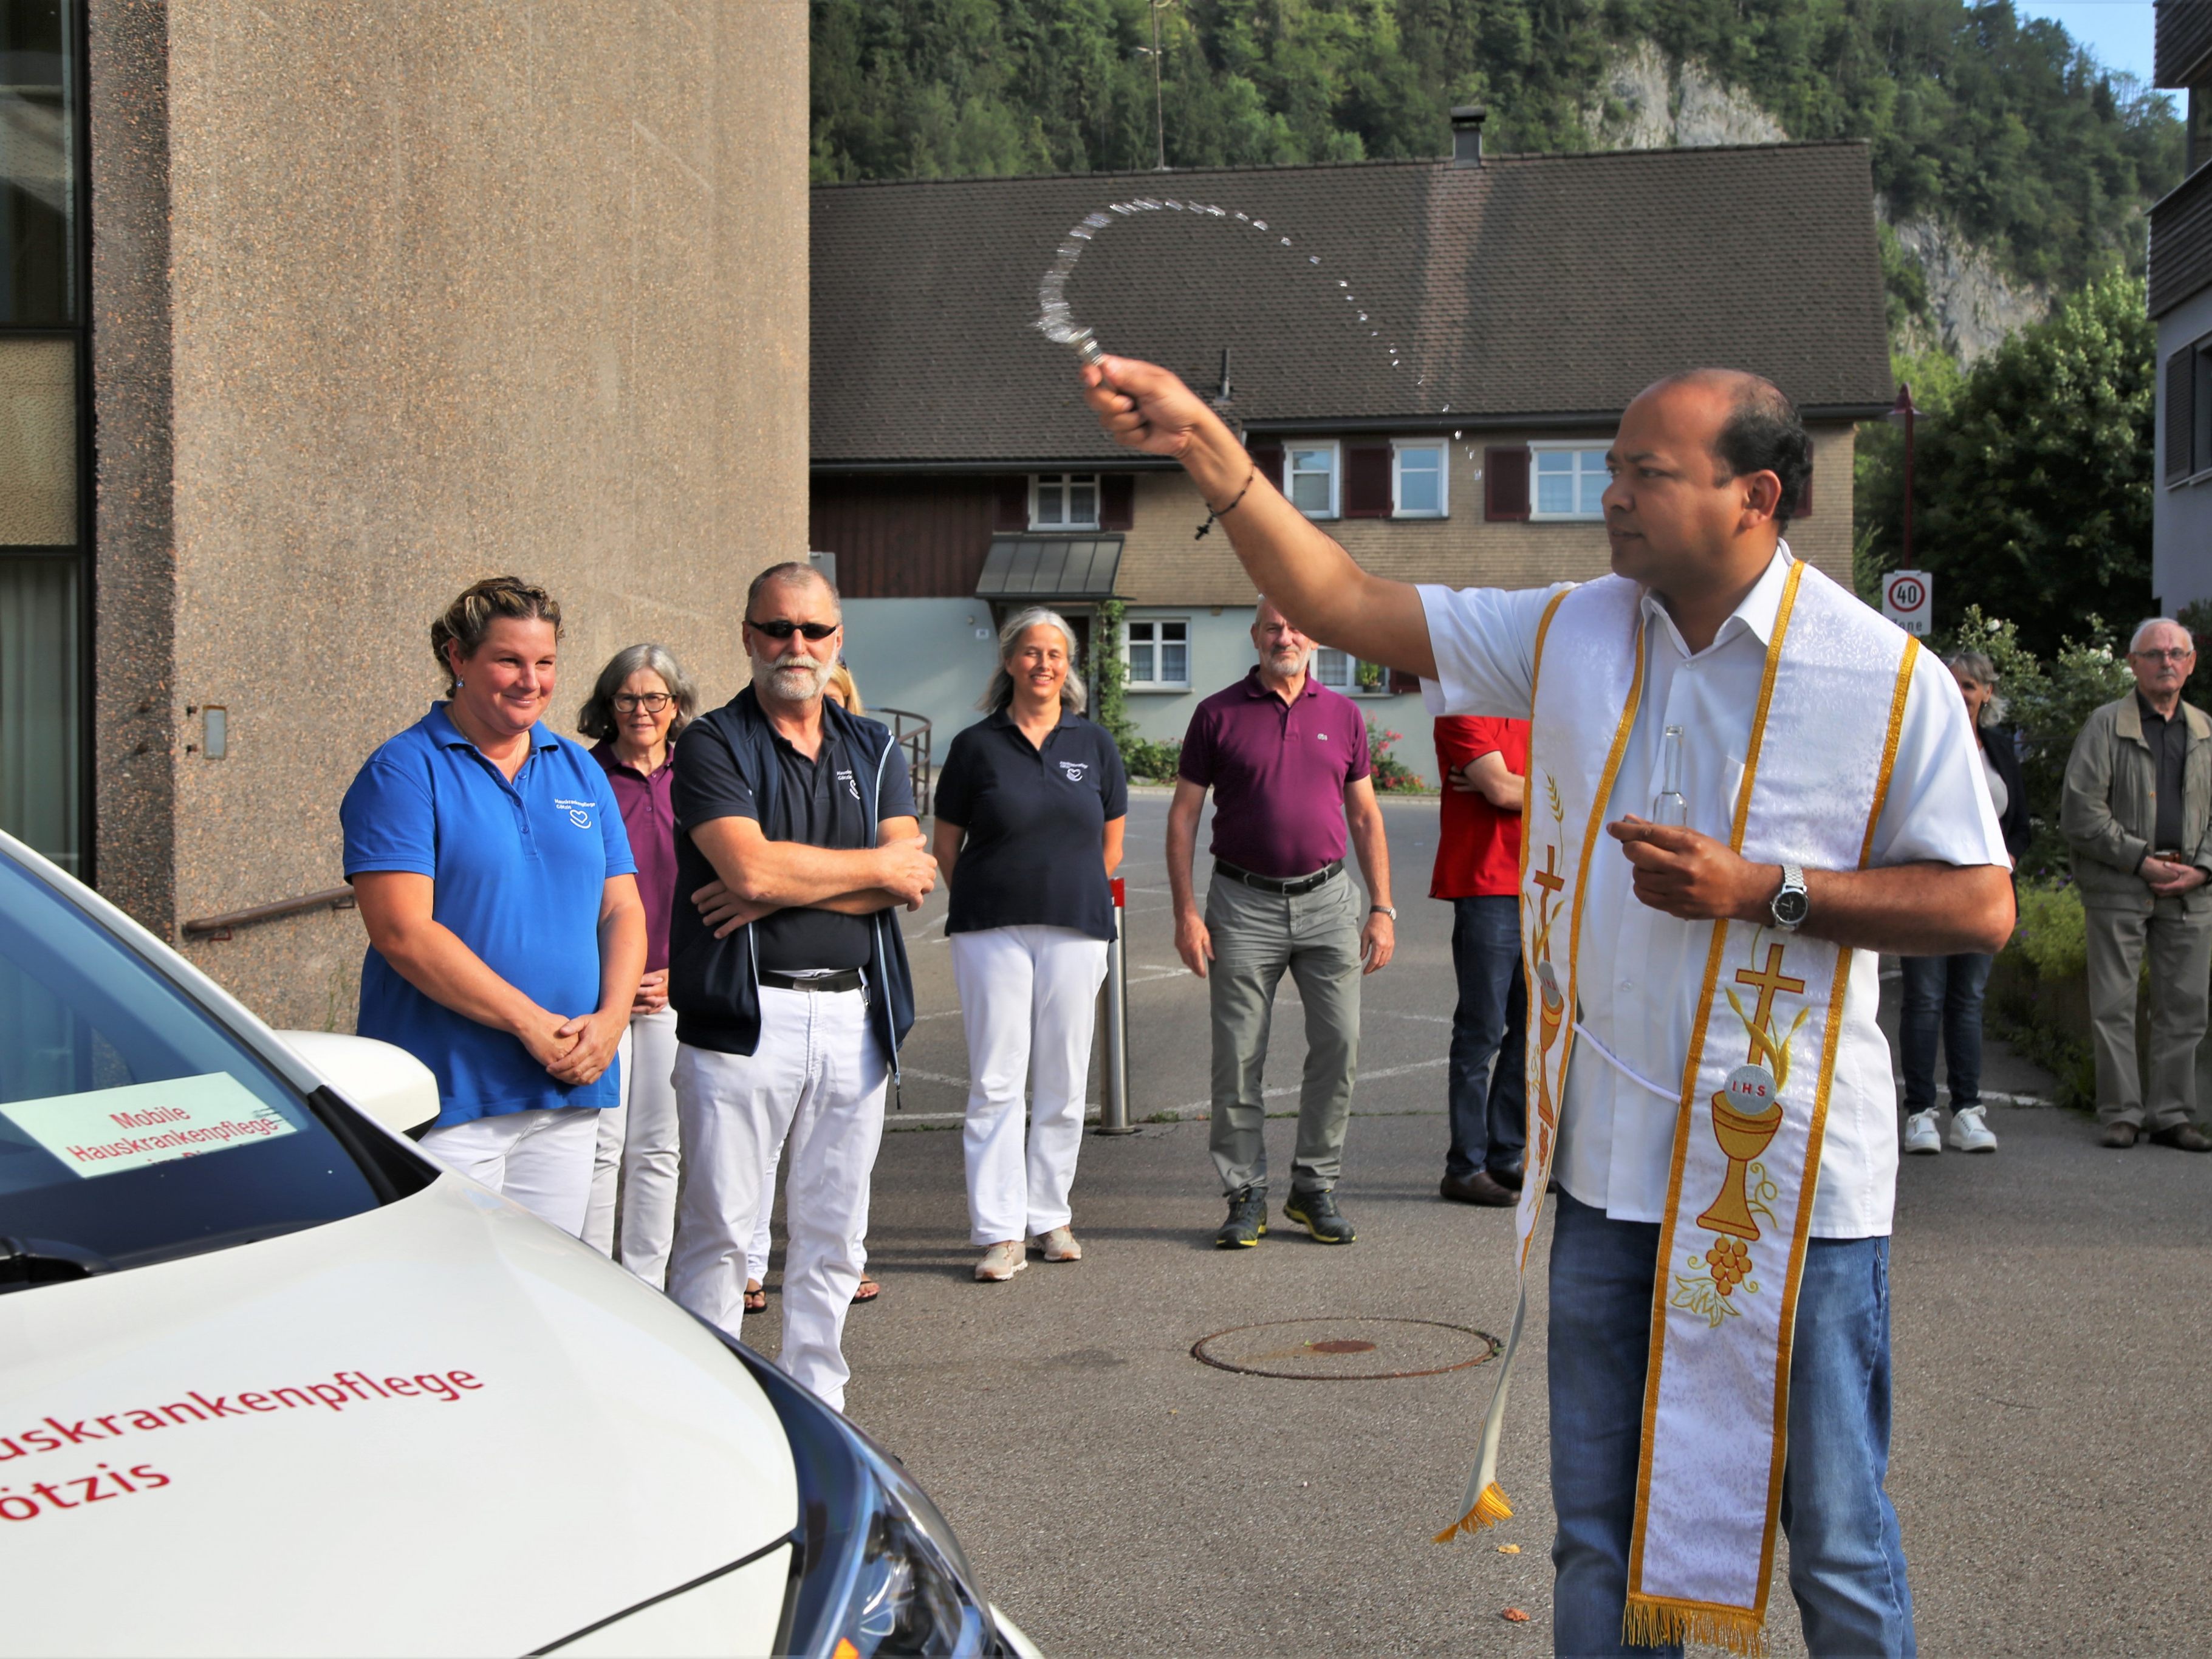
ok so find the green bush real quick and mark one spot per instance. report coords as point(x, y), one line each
point(2052, 933)
point(1142, 758)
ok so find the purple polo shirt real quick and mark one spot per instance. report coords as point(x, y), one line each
point(1278, 771)
point(650, 817)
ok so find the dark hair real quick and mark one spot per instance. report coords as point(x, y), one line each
point(596, 718)
point(1762, 433)
point(793, 570)
point(470, 617)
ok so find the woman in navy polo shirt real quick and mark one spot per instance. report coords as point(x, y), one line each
point(1031, 805)
point(506, 937)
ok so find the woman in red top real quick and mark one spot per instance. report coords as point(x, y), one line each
point(1478, 869)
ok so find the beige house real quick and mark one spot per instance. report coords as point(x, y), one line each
point(313, 314)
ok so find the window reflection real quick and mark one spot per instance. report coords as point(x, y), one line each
point(38, 175)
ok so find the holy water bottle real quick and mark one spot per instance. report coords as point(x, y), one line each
point(1668, 806)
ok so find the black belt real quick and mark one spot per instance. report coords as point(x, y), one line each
point(1290, 888)
point(848, 979)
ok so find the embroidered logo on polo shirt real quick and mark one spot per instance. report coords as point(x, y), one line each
point(1323, 735)
point(1075, 769)
point(851, 785)
point(579, 811)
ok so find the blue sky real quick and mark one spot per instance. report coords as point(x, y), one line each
point(2117, 32)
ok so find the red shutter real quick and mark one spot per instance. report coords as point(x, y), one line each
point(1013, 510)
point(1367, 481)
point(1403, 685)
point(1117, 500)
point(1804, 507)
point(1268, 458)
point(1506, 482)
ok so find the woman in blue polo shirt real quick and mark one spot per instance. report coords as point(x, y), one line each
point(1030, 804)
point(505, 937)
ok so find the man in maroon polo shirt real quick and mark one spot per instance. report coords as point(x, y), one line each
point(1287, 761)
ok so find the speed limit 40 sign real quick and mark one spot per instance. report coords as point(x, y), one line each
point(1907, 599)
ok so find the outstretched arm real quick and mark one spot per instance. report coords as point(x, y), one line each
point(1311, 580)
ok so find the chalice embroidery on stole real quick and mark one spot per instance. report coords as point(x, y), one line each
point(1552, 1011)
point(1747, 1115)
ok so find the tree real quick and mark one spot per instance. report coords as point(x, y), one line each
point(2032, 496)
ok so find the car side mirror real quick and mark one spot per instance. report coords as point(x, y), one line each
point(389, 1083)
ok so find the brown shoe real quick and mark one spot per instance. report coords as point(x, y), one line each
point(2119, 1135)
point(2183, 1137)
point(1480, 1187)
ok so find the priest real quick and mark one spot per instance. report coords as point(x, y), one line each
point(1706, 1085)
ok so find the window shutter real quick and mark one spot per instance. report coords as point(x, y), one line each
point(1506, 482)
point(1013, 504)
point(1367, 481)
point(1117, 500)
point(1268, 458)
point(2180, 412)
point(1403, 685)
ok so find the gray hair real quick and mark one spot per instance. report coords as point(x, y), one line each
point(596, 718)
point(2135, 639)
point(1977, 667)
point(1000, 692)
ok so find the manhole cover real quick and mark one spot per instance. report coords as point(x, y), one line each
point(1345, 1350)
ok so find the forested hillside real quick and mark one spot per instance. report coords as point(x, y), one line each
point(1998, 127)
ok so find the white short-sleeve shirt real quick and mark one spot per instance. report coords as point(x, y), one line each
point(1641, 969)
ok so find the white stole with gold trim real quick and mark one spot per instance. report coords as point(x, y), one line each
point(1754, 1084)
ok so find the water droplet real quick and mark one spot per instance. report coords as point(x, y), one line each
point(1447, 410)
point(1259, 224)
point(1455, 436)
point(1313, 258)
point(1247, 220)
point(1172, 201)
point(1341, 282)
point(1286, 241)
point(1362, 316)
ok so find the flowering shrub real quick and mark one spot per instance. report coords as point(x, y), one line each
point(1390, 774)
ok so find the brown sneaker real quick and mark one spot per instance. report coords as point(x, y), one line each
point(1480, 1187)
point(2183, 1137)
point(2119, 1135)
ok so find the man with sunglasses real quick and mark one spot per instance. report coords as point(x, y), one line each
point(796, 843)
point(2137, 811)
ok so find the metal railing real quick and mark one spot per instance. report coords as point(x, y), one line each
point(911, 732)
point(214, 928)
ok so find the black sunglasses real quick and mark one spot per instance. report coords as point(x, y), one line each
point(784, 630)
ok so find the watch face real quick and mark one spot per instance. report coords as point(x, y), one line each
point(1790, 907)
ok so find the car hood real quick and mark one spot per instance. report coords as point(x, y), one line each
point(254, 1451)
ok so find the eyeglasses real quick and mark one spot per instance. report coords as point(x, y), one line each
point(784, 630)
point(2172, 653)
point(652, 702)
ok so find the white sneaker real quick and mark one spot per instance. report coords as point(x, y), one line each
point(1920, 1134)
point(1060, 1245)
point(1969, 1133)
point(1002, 1262)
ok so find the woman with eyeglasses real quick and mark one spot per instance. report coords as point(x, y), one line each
point(1943, 995)
point(637, 709)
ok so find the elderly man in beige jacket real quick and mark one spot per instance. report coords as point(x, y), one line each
point(2137, 811)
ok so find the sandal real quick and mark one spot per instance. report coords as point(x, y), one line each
point(868, 1291)
point(756, 1297)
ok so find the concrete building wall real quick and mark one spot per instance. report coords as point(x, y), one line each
point(2181, 514)
point(452, 289)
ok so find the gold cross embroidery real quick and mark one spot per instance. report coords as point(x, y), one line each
point(1548, 877)
point(1769, 982)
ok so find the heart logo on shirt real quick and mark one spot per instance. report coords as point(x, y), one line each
point(1075, 769)
point(852, 788)
point(579, 811)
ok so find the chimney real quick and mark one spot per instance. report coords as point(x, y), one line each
point(1467, 121)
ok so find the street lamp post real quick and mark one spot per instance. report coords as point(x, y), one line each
point(1902, 412)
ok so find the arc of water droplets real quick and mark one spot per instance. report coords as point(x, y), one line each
point(1056, 318)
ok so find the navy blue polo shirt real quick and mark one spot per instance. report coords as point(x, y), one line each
point(821, 802)
point(1037, 821)
point(518, 870)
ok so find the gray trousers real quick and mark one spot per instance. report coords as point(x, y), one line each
point(2180, 946)
point(1257, 936)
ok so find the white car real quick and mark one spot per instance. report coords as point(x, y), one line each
point(272, 1382)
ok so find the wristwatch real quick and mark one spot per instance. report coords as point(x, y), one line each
point(1382, 909)
point(1790, 905)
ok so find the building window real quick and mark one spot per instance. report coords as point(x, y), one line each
point(1347, 674)
point(1569, 482)
point(1311, 471)
point(1159, 655)
point(1064, 500)
point(1417, 479)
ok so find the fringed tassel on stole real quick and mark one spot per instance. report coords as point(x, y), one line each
point(1650, 1623)
point(1485, 1504)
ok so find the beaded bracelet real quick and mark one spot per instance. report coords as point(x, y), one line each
point(1214, 514)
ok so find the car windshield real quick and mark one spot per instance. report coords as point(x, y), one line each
point(133, 1127)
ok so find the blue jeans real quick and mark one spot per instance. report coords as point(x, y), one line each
point(1846, 1557)
point(1943, 992)
point(1489, 1120)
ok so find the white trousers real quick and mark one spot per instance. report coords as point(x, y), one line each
point(816, 1083)
point(756, 1252)
point(542, 1160)
point(634, 1171)
point(1028, 996)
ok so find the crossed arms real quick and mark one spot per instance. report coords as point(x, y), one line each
point(758, 877)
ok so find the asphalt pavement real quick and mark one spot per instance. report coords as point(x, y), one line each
point(1118, 1496)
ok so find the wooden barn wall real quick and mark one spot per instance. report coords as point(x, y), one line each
point(904, 537)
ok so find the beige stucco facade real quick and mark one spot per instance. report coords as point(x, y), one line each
point(448, 289)
point(1161, 565)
